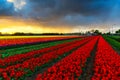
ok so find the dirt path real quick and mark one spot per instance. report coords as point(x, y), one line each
point(88, 69)
point(50, 64)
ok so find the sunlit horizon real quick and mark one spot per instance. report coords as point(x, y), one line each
point(11, 26)
point(55, 17)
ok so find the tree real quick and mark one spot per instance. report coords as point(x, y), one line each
point(108, 33)
point(0, 33)
point(97, 32)
point(118, 31)
point(92, 31)
point(19, 33)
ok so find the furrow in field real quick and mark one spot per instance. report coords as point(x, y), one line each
point(22, 50)
point(70, 67)
point(115, 44)
point(12, 60)
point(15, 43)
point(117, 38)
point(88, 68)
point(32, 63)
point(107, 62)
point(44, 67)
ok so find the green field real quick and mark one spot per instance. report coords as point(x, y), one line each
point(117, 38)
point(24, 49)
point(76, 57)
point(114, 41)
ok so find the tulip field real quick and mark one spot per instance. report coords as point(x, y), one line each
point(60, 58)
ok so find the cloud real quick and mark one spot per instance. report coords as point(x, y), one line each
point(65, 7)
point(56, 10)
point(18, 4)
point(6, 8)
point(67, 12)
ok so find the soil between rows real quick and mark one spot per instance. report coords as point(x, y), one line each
point(50, 64)
point(88, 68)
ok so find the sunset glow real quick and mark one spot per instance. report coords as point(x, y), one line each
point(11, 25)
point(59, 39)
point(43, 16)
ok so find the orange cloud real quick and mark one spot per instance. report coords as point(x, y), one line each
point(12, 25)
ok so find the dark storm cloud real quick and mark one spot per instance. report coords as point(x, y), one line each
point(6, 8)
point(74, 12)
point(58, 10)
point(65, 7)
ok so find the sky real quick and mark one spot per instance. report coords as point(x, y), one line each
point(42, 16)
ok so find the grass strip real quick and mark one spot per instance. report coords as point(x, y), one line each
point(29, 44)
point(117, 38)
point(11, 52)
point(32, 75)
point(115, 44)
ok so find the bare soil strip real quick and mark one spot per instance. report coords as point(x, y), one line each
point(88, 68)
point(50, 64)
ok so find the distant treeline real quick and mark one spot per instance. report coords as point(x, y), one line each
point(92, 32)
point(37, 34)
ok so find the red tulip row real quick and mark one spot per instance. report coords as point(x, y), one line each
point(69, 68)
point(22, 57)
point(7, 42)
point(107, 62)
point(32, 63)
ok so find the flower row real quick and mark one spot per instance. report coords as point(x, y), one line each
point(69, 68)
point(32, 63)
point(107, 62)
point(22, 57)
point(20, 41)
